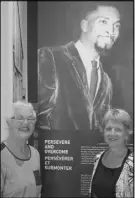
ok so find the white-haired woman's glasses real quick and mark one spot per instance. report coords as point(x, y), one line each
point(20, 120)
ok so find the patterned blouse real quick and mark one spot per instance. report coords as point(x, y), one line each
point(124, 184)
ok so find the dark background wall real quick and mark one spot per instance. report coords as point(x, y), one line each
point(59, 23)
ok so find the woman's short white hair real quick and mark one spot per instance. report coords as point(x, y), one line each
point(119, 115)
point(22, 104)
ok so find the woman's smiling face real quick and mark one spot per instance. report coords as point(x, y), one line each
point(22, 124)
point(115, 133)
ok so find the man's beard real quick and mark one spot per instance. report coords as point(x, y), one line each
point(100, 50)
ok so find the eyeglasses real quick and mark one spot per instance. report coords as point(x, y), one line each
point(21, 120)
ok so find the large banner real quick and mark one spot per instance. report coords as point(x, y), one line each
point(69, 116)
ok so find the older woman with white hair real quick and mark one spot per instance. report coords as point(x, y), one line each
point(113, 169)
point(20, 162)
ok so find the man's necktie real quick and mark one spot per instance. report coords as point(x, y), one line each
point(94, 80)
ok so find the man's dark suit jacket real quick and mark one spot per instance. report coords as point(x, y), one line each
point(63, 93)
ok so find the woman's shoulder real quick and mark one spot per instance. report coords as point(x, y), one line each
point(34, 151)
point(98, 155)
point(4, 152)
point(2, 146)
point(129, 165)
point(129, 159)
point(35, 158)
point(131, 155)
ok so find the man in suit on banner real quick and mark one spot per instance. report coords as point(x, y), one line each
point(74, 92)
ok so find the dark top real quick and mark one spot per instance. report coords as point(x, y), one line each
point(104, 180)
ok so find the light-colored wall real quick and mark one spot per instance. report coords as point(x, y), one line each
point(6, 64)
point(7, 59)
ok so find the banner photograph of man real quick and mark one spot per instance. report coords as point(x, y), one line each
point(84, 69)
point(74, 91)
